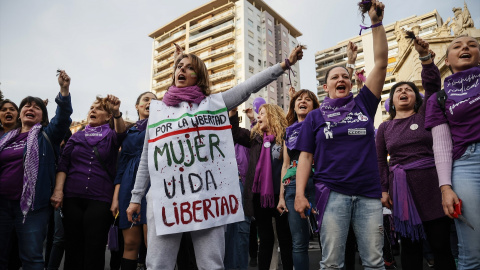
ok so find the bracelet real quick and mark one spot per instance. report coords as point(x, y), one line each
point(426, 57)
point(367, 27)
point(352, 66)
point(118, 117)
point(289, 68)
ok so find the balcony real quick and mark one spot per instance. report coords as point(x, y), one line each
point(163, 62)
point(218, 63)
point(212, 31)
point(161, 84)
point(211, 42)
point(171, 38)
point(222, 86)
point(222, 75)
point(217, 52)
point(163, 53)
point(211, 20)
point(163, 73)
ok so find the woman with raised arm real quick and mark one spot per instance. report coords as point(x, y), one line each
point(127, 169)
point(453, 119)
point(409, 179)
point(301, 103)
point(85, 176)
point(339, 138)
point(190, 91)
point(27, 173)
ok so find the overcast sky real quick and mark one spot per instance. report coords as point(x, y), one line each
point(104, 45)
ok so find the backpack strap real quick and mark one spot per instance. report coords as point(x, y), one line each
point(95, 149)
point(51, 145)
point(441, 99)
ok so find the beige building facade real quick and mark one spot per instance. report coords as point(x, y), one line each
point(236, 39)
point(403, 62)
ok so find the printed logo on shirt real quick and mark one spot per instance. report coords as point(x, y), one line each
point(357, 131)
point(362, 117)
point(328, 132)
point(333, 114)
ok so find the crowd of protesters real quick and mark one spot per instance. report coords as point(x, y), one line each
point(318, 161)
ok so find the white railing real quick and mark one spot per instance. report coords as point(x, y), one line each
point(219, 16)
point(222, 85)
point(174, 36)
point(163, 72)
point(222, 74)
point(163, 62)
point(219, 50)
point(226, 24)
point(162, 83)
point(208, 43)
point(219, 62)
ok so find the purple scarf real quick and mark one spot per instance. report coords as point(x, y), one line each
point(94, 135)
point(336, 109)
point(463, 84)
point(30, 165)
point(292, 135)
point(405, 214)
point(263, 182)
point(175, 95)
point(142, 124)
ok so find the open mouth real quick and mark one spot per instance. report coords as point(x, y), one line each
point(30, 115)
point(341, 87)
point(9, 117)
point(465, 56)
point(302, 107)
point(93, 117)
point(147, 108)
point(403, 97)
point(181, 78)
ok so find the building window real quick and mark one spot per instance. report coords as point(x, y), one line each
point(239, 20)
point(259, 42)
point(269, 22)
point(251, 69)
point(258, 28)
point(258, 17)
point(259, 62)
point(284, 34)
point(250, 22)
point(259, 51)
point(270, 42)
point(270, 53)
point(270, 32)
point(272, 89)
point(250, 45)
point(270, 64)
point(293, 44)
point(250, 11)
point(251, 57)
point(250, 34)
point(284, 43)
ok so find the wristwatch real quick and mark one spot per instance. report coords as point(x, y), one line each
point(426, 57)
point(352, 66)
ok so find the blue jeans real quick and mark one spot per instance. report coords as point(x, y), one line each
point(58, 246)
point(366, 216)
point(31, 234)
point(466, 183)
point(299, 227)
point(237, 243)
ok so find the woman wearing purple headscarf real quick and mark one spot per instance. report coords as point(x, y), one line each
point(27, 173)
point(409, 180)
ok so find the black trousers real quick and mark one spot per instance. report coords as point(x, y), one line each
point(263, 216)
point(438, 236)
point(86, 224)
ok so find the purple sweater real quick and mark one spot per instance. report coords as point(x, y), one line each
point(407, 140)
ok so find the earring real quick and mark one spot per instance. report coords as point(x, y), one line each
point(393, 107)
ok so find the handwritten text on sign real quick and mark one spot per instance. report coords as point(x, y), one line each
point(193, 172)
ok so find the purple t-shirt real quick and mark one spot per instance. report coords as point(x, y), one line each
point(344, 153)
point(86, 178)
point(11, 168)
point(462, 117)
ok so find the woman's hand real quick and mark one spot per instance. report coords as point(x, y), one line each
point(351, 53)
point(115, 103)
point(114, 207)
point(282, 206)
point(250, 114)
point(449, 199)
point(386, 200)
point(372, 13)
point(295, 55)
point(291, 92)
point(133, 208)
point(64, 82)
point(57, 198)
point(421, 46)
point(301, 204)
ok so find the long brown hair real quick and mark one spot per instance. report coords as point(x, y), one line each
point(291, 115)
point(203, 80)
point(276, 121)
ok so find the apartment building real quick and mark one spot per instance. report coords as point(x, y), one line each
point(399, 48)
point(236, 39)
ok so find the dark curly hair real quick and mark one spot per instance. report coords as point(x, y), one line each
point(418, 99)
